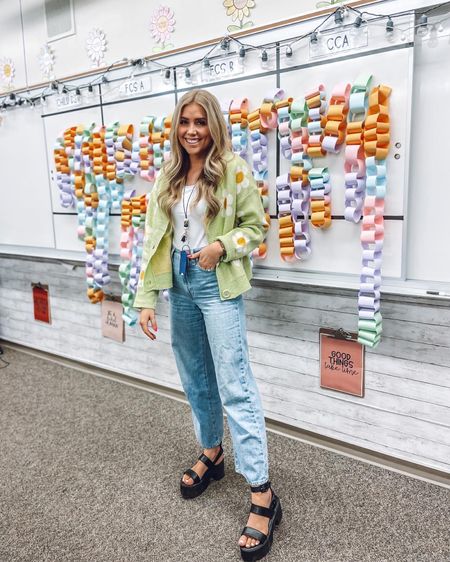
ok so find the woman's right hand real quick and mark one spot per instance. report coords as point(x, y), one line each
point(148, 315)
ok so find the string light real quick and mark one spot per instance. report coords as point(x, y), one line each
point(422, 26)
point(358, 21)
point(339, 16)
point(264, 58)
point(225, 44)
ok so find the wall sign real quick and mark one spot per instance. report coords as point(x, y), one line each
point(222, 68)
point(341, 362)
point(67, 100)
point(40, 303)
point(112, 322)
point(136, 86)
point(335, 43)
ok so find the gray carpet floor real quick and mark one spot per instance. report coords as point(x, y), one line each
point(89, 471)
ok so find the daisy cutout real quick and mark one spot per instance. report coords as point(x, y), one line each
point(241, 180)
point(240, 241)
point(162, 25)
point(96, 46)
point(7, 71)
point(239, 9)
point(227, 209)
point(46, 61)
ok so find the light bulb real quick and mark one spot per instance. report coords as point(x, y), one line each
point(339, 16)
point(264, 59)
point(423, 25)
point(389, 26)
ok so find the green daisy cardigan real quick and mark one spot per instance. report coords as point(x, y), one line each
point(240, 225)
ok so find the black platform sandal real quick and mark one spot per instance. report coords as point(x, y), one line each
point(214, 471)
point(274, 513)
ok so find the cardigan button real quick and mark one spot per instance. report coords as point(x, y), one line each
point(226, 293)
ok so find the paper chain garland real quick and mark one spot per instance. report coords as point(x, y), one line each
point(376, 147)
point(91, 166)
point(131, 241)
point(93, 162)
point(354, 167)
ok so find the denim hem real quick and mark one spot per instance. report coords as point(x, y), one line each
point(211, 446)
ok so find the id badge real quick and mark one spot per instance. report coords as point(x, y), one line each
point(183, 262)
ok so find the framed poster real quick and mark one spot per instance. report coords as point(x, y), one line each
point(341, 362)
point(41, 304)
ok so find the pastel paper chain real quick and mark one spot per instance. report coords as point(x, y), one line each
point(146, 148)
point(354, 166)
point(238, 113)
point(131, 246)
point(319, 178)
point(376, 147)
point(300, 184)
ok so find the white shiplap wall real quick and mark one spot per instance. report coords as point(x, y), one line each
point(406, 409)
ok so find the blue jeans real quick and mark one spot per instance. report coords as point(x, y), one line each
point(209, 342)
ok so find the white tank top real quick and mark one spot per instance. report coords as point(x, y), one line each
point(195, 213)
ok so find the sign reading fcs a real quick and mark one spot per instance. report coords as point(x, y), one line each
point(136, 86)
point(341, 362)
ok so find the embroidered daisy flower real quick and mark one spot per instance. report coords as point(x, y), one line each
point(241, 180)
point(46, 61)
point(162, 25)
point(227, 208)
point(240, 241)
point(7, 71)
point(96, 46)
point(238, 8)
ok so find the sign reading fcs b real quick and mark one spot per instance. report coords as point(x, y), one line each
point(341, 362)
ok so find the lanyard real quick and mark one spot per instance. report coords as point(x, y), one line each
point(185, 212)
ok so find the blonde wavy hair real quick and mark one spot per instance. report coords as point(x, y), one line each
point(175, 170)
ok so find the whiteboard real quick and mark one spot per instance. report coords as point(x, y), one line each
point(336, 250)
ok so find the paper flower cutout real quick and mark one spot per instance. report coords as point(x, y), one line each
point(239, 9)
point(7, 71)
point(162, 25)
point(96, 46)
point(46, 61)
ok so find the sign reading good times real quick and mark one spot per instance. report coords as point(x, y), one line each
point(341, 362)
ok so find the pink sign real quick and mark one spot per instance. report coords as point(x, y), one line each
point(112, 322)
point(341, 363)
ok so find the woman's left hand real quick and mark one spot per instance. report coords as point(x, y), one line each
point(209, 256)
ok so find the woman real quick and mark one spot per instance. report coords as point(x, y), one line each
point(204, 218)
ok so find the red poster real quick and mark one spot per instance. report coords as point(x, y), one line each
point(40, 302)
point(341, 362)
